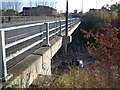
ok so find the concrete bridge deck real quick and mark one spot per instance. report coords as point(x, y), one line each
point(39, 62)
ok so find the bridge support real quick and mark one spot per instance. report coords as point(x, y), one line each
point(66, 40)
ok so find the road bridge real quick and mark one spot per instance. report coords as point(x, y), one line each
point(27, 50)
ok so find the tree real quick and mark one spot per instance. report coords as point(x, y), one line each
point(46, 2)
point(51, 4)
point(116, 8)
point(4, 7)
point(43, 2)
point(30, 3)
point(12, 5)
point(38, 2)
point(17, 5)
point(92, 18)
point(10, 12)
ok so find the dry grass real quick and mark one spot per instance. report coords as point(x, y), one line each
point(91, 76)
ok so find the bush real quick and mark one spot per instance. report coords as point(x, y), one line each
point(106, 45)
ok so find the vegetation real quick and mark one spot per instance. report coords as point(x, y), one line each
point(105, 48)
point(91, 76)
point(103, 44)
point(10, 12)
point(94, 17)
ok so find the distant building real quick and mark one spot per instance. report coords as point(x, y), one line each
point(38, 11)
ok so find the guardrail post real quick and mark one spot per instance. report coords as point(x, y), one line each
point(70, 22)
point(60, 27)
point(73, 21)
point(55, 25)
point(47, 34)
point(3, 68)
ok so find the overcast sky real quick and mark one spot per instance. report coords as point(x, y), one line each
point(73, 4)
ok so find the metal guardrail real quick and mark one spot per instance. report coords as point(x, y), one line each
point(15, 41)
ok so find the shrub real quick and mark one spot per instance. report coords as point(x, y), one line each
point(106, 45)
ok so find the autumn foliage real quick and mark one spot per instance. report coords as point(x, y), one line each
point(105, 45)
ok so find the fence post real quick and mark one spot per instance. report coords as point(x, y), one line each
point(3, 68)
point(70, 23)
point(56, 27)
point(47, 34)
point(60, 27)
point(73, 21)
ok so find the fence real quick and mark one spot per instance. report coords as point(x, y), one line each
point(24, 19)
point(18, 42)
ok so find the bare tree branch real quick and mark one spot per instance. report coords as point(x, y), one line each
point(51, 4)
point(14, 5)
point(30, 3)
point(18, 5)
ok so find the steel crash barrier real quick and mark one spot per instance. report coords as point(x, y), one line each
point(19, 41)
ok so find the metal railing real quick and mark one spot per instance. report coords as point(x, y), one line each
point(24, 19)
point(19, 41)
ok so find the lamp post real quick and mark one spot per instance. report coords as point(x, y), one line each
point(43, 2)
point(66, 32)
point(66, 29)
point(1, 15)
point(96, 5)
point(55, 5)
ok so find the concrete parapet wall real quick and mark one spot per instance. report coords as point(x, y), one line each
point(73, 29)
